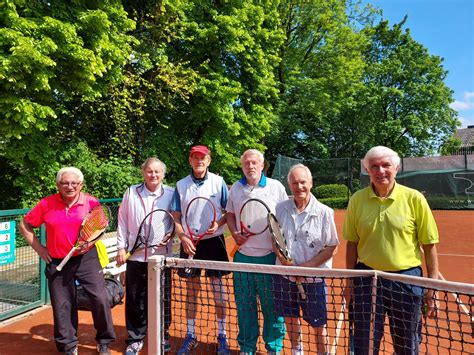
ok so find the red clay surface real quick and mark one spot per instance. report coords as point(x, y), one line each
point(33, 333)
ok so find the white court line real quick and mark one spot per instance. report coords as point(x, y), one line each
point(462, 255)
point(340, 322)
point(457, 299)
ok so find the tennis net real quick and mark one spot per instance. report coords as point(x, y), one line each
point(360, 326)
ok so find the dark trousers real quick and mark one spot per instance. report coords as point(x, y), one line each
point(62, 287)
point(136, 301)
point(400, 301)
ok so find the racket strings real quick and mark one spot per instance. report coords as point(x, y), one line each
point(253, 217)
point(200, 216)
point(278, 237)
point(158, 225)
point(94, 225)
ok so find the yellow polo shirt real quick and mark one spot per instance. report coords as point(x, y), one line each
point(388, 232)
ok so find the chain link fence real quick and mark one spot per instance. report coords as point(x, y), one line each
point(446, 181)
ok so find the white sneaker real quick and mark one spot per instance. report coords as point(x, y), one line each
point(134, 348)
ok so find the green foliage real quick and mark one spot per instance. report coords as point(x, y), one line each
point(449, 202)
point(232, 47)
point(404, 103)
point(338, 203)
point(103, 84)
point(331, 191)
point(320, 70)
point(103, 178)
point(450, 146)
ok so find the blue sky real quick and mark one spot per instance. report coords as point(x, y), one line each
point(446, 29)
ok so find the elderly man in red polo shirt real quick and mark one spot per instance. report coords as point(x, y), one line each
point(62, 214)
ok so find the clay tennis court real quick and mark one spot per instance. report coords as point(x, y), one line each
point(32, 333)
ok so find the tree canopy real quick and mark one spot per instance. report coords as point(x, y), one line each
point(103, 84)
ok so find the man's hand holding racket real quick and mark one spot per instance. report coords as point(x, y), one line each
point(281, 249)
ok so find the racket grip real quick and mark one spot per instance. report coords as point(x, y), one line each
point(125, 258)
point(65, 260)
point(235, 250)
point(188, 269)
point(301, 290)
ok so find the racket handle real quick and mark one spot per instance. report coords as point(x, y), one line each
point(66, 259)
point(235, 250)
point(188, 269)
point(301, 290)
point(129, 254)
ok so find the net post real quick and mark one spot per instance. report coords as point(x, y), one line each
point(155, 324)
point(373, 314)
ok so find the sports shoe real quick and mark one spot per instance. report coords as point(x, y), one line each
point(134, 348)
point(73, 351)
point(166, 345)
point(103, 349)
point(222, 345)
point(189, 343)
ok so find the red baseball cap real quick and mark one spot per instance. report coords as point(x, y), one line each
point(202, 149)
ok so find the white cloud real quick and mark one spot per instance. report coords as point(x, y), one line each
point(466, 104)
point(466, 121)
point(460, 105)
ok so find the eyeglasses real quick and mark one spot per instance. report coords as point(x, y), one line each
point(66, 184)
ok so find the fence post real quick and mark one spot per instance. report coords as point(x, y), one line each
point(155, 325)
point(373, 314)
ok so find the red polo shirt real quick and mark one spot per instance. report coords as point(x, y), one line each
point(62, 223)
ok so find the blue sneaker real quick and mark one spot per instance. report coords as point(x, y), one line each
point(222, 345)
point(189, 343)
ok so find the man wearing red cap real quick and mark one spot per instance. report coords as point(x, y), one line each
point(202, 183)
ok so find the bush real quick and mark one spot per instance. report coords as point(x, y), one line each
point(331, 191)
point(448, 202)
point(338, 203)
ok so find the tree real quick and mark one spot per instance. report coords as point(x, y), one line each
point(321, 66)
point(404, 102)
point(54, 54)
point(232, 47)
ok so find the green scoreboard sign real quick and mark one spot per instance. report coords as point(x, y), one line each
point(7, 242)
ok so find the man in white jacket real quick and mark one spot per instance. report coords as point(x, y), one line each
point(138, 201)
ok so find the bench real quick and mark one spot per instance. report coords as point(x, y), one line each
point(111, 270)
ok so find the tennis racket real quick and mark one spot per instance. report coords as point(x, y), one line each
point(156, 228)
point(253, 219)
point(282, 248)
point(199, 217)
point(92, 228)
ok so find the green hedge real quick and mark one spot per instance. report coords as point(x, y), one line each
point(338, 203)
point(448, 202)
point(330, 191)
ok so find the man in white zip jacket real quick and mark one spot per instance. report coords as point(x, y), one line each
point(138, 201)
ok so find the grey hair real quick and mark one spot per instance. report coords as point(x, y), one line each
point(299, 166)
point(152, 160)
point(69, 170)
point(252, 152)
point(381, 152)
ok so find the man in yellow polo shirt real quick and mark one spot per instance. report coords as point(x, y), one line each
point(384, 226)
